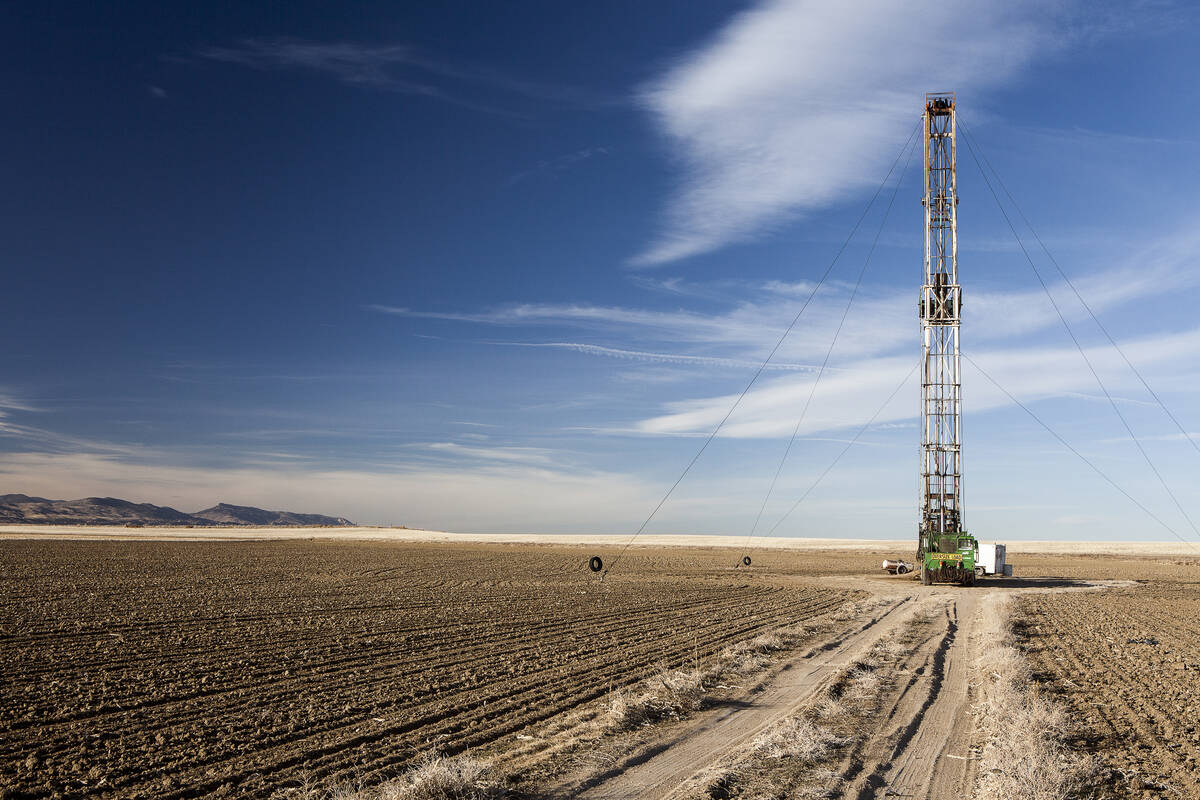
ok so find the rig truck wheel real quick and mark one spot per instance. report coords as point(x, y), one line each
point(969, 580)
point(926, 578)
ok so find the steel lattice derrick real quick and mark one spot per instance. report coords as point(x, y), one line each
point(940, 306)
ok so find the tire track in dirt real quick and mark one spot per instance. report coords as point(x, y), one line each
point(665, 771)
point(896, 710)
point(925, 744)
point(914, 757)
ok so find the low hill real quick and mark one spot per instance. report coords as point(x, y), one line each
point(226, 514)
point(23, 509)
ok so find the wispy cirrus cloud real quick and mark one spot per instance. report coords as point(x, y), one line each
point(874, 351)
point(516, 455)
point(11, 402)
point(882, 320)
point(797, 104)
point(559, 164)
point(850, 397)
point(14, 428)
point(394, 67)
point(660, 358)
point(352, 63)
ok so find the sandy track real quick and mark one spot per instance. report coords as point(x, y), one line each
point(665, 771)
point(924, 744)
point(923, 750)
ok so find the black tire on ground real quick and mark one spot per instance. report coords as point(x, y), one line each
point(926, 578)
point(595, 564)
point(979, 572)
point(746, 560)
point(969, 580)
point(900, 570)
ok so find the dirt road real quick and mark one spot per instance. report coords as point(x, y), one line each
point(665, 775)
point(922, 748)
point(925, 747)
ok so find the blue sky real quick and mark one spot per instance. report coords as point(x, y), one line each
point(500, 267)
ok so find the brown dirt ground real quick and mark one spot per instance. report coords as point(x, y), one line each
point(191, 669)
point(1126, 662)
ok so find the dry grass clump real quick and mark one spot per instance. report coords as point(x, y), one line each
point(784, 761)
point(672, 694)
point(767, 641)
point(797, 738)
point(846, 611)
point(822, 783)
point(1025, 757)
point(829, 707)
point(862, 683)
point(888, 651)
point(440, 778)
point(748, 656)
point(434, 777)
point(795, 633)
point(666, 695)
point(856, 608)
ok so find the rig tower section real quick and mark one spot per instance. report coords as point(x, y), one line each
point(945, 551)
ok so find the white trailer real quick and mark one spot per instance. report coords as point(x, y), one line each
point(991, 560)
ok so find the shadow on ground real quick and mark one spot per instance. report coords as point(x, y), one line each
point(1046, 582)
point(1041, 582)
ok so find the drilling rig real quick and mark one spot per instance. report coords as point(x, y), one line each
point(945, 551)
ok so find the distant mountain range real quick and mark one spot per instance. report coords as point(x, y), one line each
point(23, 509)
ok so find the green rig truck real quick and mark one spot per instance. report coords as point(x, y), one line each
point(948, 558)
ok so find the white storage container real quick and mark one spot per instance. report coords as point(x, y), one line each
point(992, 558)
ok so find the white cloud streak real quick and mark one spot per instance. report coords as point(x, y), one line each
point(521, 455)
point(848, 399)
point(390, 66)
point(882, 321)
point(797, 104)
point(661, 358)
point(352, 63)
point(560, 164)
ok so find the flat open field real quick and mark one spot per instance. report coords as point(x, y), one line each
point(176, 669)
point(606, 541)
point(1127, 664)
point(181, 669)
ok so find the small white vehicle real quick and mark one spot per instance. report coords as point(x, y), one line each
point(991, 561)
point(898, 567)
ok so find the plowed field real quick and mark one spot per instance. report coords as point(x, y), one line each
point(193, 669)
point(1127, 664)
